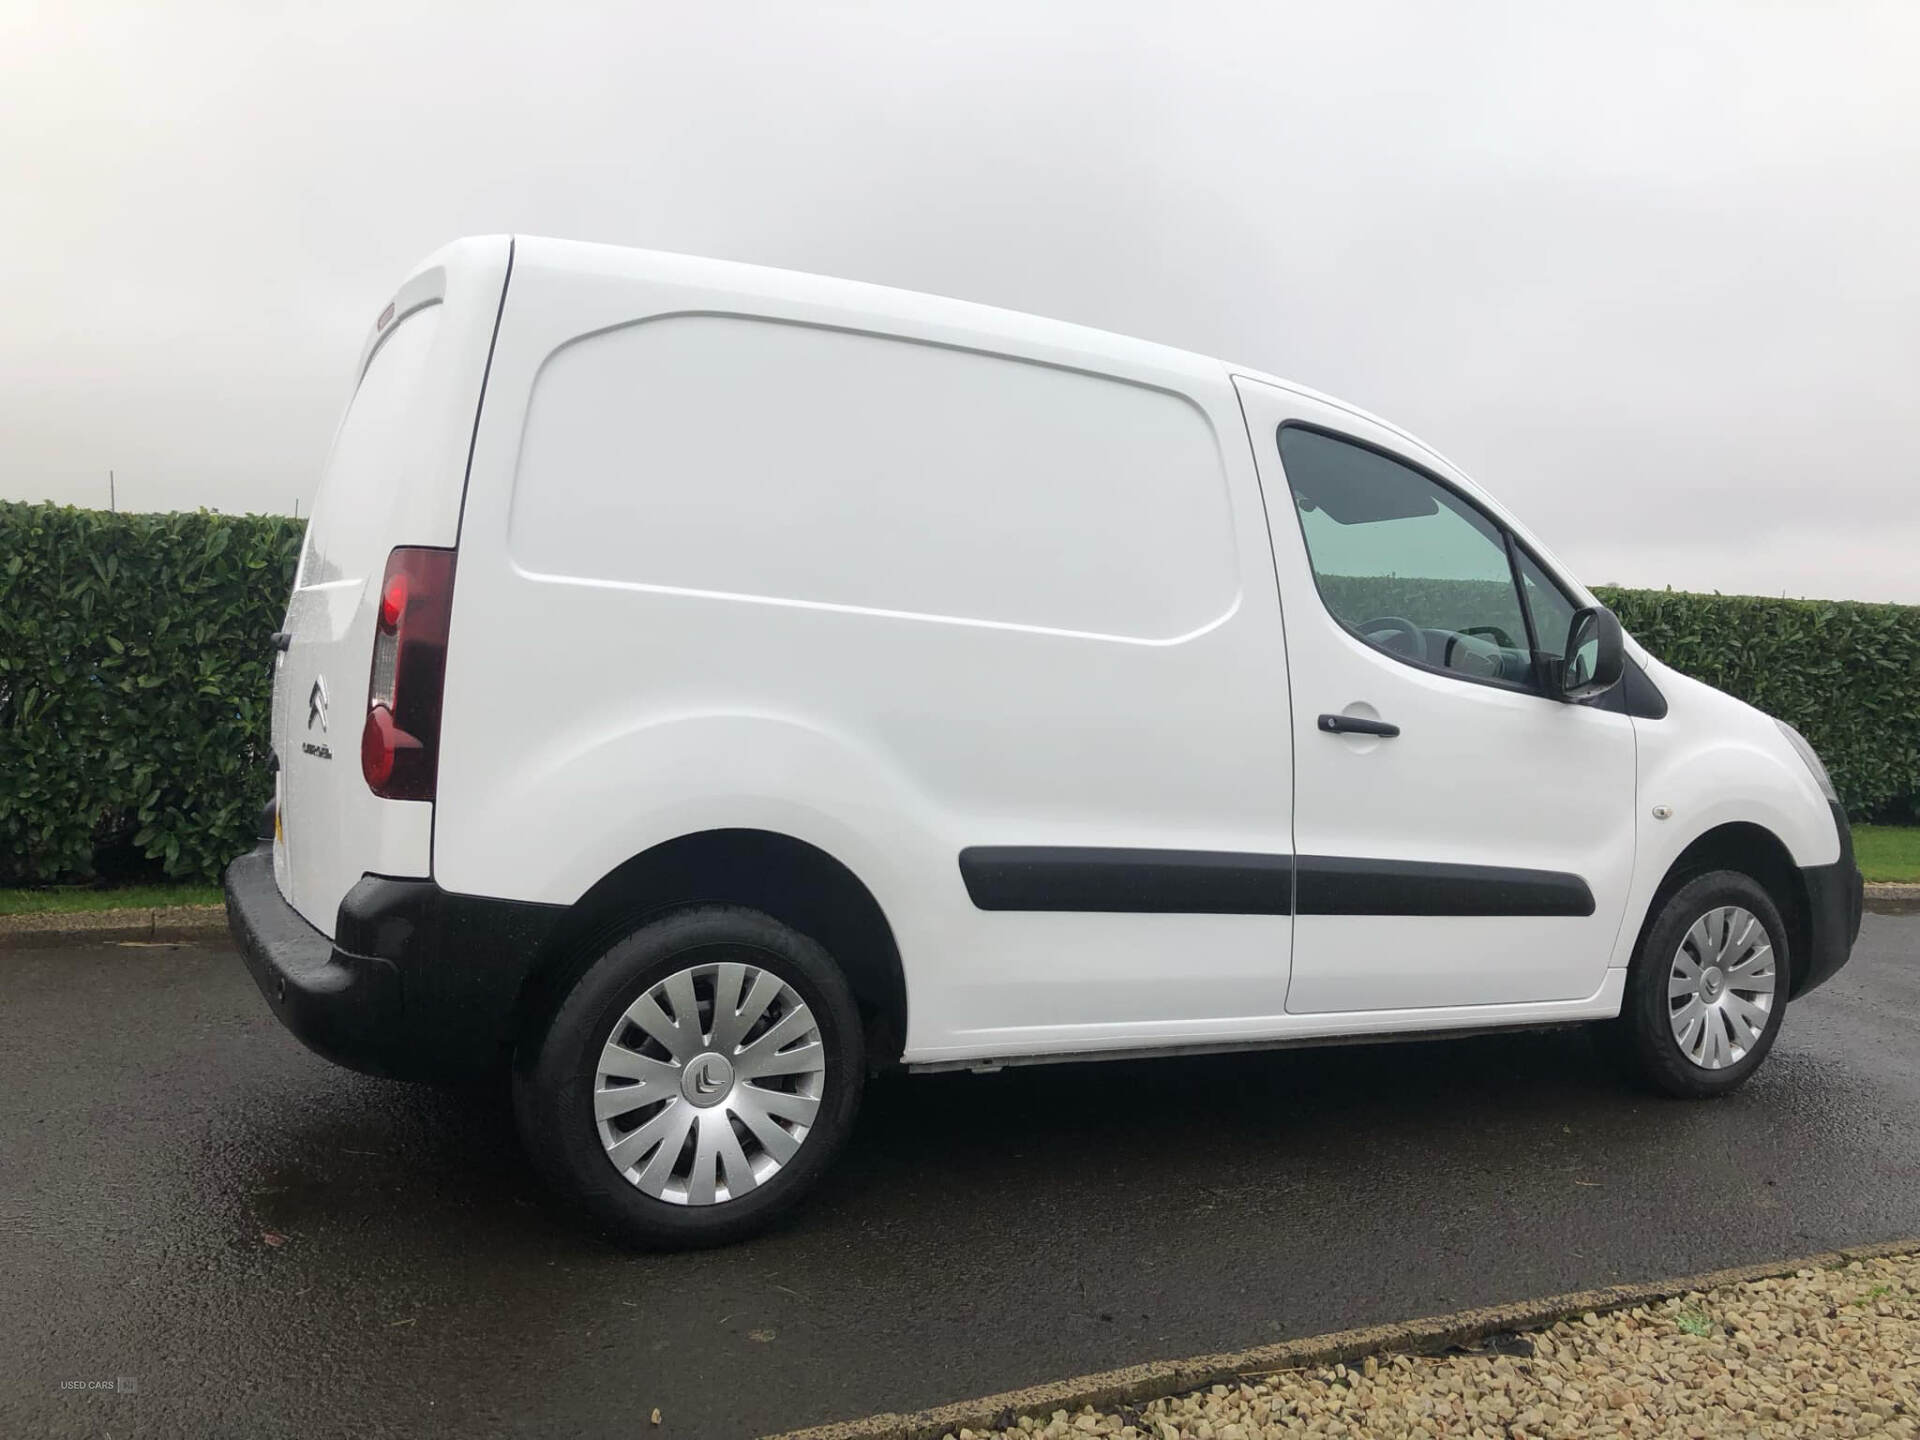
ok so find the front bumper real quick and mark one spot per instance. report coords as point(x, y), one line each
point(418, 983)
point(1835, 894)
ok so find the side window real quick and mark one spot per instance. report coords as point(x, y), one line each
point(1548, 604)
point(1403, 562)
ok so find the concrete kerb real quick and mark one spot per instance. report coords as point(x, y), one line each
point(1137, 1384)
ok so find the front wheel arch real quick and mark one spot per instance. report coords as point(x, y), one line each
point(1754, 851)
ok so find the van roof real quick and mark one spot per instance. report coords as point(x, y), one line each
point(849, 298)
point(847, 302)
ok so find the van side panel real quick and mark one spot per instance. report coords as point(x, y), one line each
point(794, 463)
point(894, 584)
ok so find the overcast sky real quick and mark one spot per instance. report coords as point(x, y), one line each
point(1650, 273)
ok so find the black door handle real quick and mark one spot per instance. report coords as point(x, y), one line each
point(282, 639)
point(1356, 725)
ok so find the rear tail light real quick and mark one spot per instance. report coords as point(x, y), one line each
point(400, 743)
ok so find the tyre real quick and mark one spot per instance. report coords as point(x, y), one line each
point(697, 1080)
point(1707, 989)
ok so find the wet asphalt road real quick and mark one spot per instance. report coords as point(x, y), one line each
point(157, 1127)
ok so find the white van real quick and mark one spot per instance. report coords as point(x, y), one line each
point(706, 685)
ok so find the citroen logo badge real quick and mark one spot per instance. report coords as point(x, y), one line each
point(705, 1080)
point(317, 704)
point(708, 1079)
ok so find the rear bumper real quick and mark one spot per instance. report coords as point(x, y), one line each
point(1834, 897)
point(417, 984)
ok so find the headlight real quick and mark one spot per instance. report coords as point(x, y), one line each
point(1805, 751)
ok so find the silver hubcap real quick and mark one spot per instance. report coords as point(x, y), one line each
point(1720, 990)
point(709, 1083)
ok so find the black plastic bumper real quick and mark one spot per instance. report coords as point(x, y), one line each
point(417, 983)
point(1834, 898)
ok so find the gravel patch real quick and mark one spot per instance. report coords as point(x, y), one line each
point(1833, 1352)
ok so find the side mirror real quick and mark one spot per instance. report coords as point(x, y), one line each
point(1596, 654)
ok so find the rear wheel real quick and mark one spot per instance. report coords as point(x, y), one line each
point(697, 1080)
point(1707, 990)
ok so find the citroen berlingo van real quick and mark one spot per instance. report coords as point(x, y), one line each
point(706, 685)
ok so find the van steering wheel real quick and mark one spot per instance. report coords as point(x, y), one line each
point(1416, 640)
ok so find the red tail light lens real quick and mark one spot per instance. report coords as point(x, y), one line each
point(393, 600)
point(400, 743)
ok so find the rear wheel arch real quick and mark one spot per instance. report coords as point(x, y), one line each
point(792, 880)
point(1752, 850)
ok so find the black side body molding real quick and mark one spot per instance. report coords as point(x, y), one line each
point(1219, 882)
point(1336, 885)
point(1130, 882)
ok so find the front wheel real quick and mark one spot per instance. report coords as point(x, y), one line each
point(1707, 990)
point(697, 1080)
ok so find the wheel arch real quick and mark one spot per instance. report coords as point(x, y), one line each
point(792, 880)
point(1752, 850)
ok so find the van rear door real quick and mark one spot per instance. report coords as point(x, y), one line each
point(395, 478)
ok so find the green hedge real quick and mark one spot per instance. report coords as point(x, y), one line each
point(1440, 604)
point(135, 682)
point(1846, 675)
point(134, 686)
